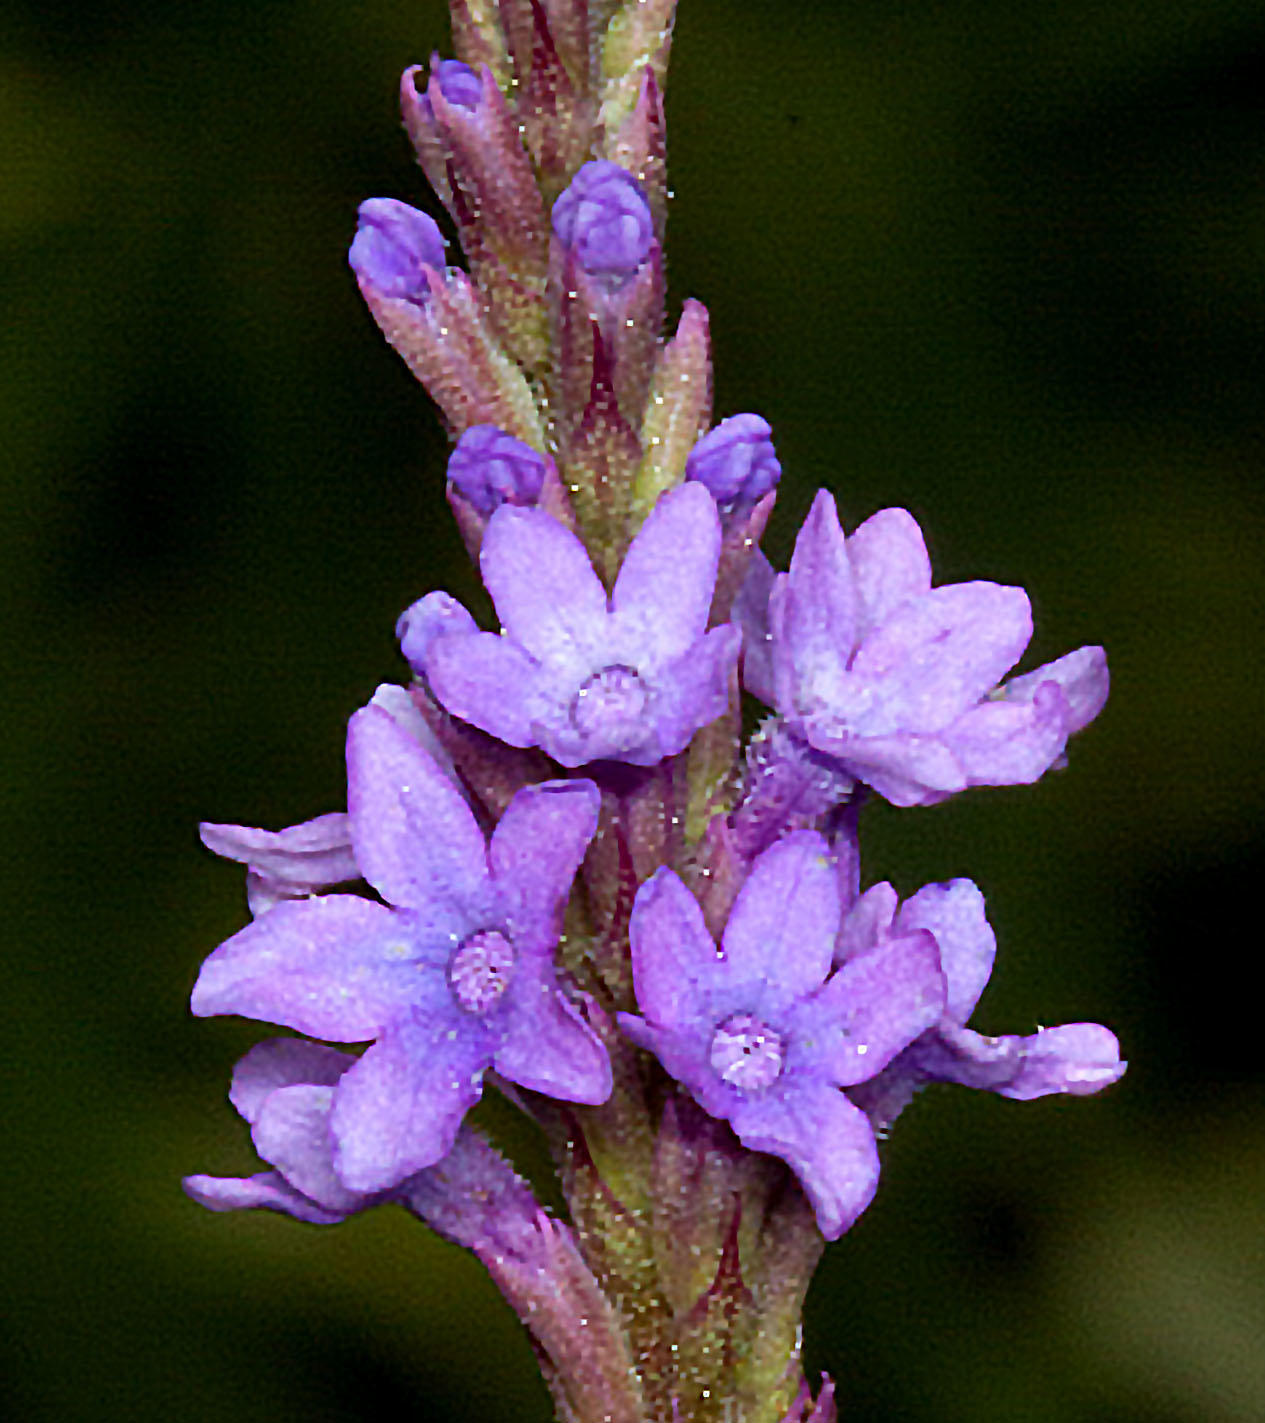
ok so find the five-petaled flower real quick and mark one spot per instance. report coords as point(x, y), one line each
point(453, 975)
point(630, 677)
point(898, 680)
point(762, 1033)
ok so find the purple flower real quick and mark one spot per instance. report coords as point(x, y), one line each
point(628, 678)
point(1076, 1058)
point(284, 1088)
point(489, 468)
point(452, 975)
point(898, 680)
point(736, 461)
point(393, 246)
point(762, 1034)
point(604, 218)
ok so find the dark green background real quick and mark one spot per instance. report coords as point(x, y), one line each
point(1004, 264)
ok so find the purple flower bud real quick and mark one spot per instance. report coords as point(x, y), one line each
point(393, 243)
point(604, 218)
point(490, 468)
point(736, 461)
point(458, 83)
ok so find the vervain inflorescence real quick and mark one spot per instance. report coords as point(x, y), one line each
point(566, 875)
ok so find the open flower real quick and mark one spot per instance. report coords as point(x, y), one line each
point(628, 678)
point(1075, 1058)
point(898, 680)
point(762, 1033)
point(452, 975)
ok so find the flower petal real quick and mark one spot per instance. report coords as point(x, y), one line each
point(675, 963)
point(422, 623)
point(268, 1190)
point(872, 1007)
point(316, 853)
point(546, 594)
point(535, 851)
point(321, 966)
point(867, 922)
point(664, 589)
point(954, 914)
point(493, 684)
point(1076, 1058)
point(783, 925)
point(292, 1134)
point(1081, 674)
point(399, 1108)
point(751, 613)
point(416, 839)
point(547, 1046)
point(905, 769)
point(819, 612)
point(935, 657)
point(694, 690)
point(282, 1062)
point(889, 561)
point(825, 1140)
point(1005, 743)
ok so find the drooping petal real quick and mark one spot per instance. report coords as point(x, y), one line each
point(1078, 1058)
point(936, 656)
point(872, 1007)
point(321, 966)
point(546, 593)
point(674, 960)
point(867, 922)
point(399, 1108)
point(268, 1190)
point(316, 853)
point(535, 851)
point(416, 839)
point(1083, 677)
point(819, 617)
point(783, 925)
point(493, 684)
point(546, 1046)
point(890, 563)
point(1004, 743)
point(825, 1140)
point(954, 914)
point(664, 589)
point(282, 1062)
point(292, 1133)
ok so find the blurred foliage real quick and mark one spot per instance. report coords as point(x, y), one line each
point(1002, 264)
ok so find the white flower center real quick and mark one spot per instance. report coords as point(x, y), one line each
point(610, 705)
point(480, 971)
point(747, 1053)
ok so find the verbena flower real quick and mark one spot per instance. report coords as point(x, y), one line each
point(393, 245)
point(452, 975)
point(899, 680)
point(736, 461)
point(1075, 1058)
point(762, 1033)
point(604, 218)
point(628, 678)
point(489, 468)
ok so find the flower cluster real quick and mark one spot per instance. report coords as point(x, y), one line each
point(560, 871)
